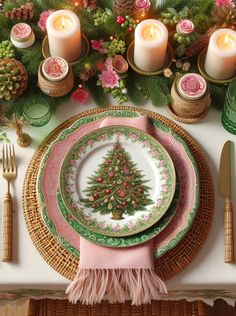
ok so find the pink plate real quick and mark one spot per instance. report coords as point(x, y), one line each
point(185, 169)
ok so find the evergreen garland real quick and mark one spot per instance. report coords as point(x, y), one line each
point(139, 88)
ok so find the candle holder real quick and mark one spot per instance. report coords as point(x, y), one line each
point(84, 49)
point(201, 68)
point(167, 64)
point(186, 110)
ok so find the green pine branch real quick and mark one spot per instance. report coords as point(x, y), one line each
point(105, 4)
point(218, 94)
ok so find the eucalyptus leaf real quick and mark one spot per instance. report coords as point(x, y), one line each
point(172, 11)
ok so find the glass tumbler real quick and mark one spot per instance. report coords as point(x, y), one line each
point(228, 117)
point(37, 112)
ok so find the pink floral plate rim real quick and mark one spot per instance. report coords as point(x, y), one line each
point(183, 160)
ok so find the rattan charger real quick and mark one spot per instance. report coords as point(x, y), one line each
point(169, 264)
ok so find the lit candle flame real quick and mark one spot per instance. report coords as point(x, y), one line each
point(63, 22)
point(76, 4)
point(226, 41)
point(151, 31)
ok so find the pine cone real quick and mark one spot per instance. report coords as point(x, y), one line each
point(201, 43)
point(123, 7)
point(13, 78)
point(24, 12)
point(87, 74)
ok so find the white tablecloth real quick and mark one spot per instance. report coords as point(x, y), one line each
point(207, 271)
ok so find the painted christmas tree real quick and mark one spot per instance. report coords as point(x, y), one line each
point(117, 186)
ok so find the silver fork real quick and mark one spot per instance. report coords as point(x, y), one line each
point(9, 173)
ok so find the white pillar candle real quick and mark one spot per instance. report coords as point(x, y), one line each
point(64, 35)
point(150, 44)
point(220, 60)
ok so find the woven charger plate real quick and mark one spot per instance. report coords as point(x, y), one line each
point(169, 264)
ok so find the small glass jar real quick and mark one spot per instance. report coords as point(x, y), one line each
point(22, 36)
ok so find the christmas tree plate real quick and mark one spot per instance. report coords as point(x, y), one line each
point(172, 227)
point(117, 181)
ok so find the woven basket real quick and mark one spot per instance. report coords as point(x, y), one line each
point(55, 88)
point(189, 109)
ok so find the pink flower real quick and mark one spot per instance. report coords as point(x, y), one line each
point(161, 163)
point(109, 79)
point(145, 143)
point(146, 217)
point(117, 228)
point(130, 224)
point(185, 27)
point(142, 5)
point(80, 95)
point(101, 225)
point(225, 3)
point(165, 175)
point(134, 137)
point(43, 19)
point(73, 162)
point(74, 205)
point(71, 218)
point(108, 64)
point(97, 45)
point(164, 188)
point(82, 150)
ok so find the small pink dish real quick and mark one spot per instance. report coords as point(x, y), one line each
point(192, 86)
point(55, 68)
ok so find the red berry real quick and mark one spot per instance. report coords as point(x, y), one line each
point(94, 205)
point(130, 29)
point(124, 203)
point(107, 191)
point(111, 174)
point(96, 195)
point(120, 19)
point(140, 190)
point(100, 180)
point(121, 193)
point(118, 206)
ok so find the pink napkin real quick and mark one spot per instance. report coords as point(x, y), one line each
point(116, 274)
